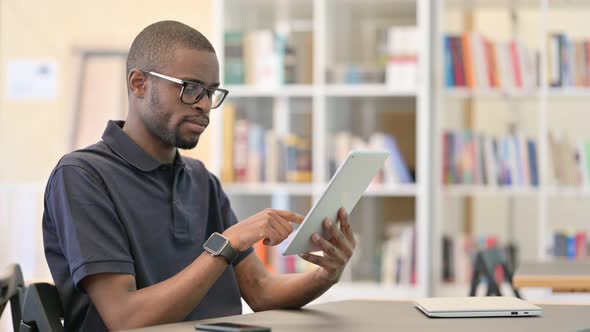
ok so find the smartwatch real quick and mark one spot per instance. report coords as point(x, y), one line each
point(218, 245)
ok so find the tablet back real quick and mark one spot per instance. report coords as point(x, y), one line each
point(344, 190)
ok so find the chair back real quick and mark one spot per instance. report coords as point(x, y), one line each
point(43, 311)
point(12, 289)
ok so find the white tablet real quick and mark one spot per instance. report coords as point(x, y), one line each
point(344, 190)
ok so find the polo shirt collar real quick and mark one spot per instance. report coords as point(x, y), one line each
point(122, 145)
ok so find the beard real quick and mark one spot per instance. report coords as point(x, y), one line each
point(156, 120)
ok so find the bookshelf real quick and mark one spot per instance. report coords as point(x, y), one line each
point(528, 214)
point(299, 90)
point(367, 90)
point(332, 93)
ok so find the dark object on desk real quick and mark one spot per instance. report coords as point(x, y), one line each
point(42, 310)
point(231, 327)
point(12, 288)
point(485, 266)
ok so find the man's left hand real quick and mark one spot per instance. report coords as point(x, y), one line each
point(337, 251)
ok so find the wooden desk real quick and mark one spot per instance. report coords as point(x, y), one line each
point(561, 276)
point(363, 315)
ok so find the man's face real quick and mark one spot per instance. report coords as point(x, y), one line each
point(176, 123)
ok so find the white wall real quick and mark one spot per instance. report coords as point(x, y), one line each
point(33, 135)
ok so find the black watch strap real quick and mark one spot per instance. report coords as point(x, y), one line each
point(229, 253)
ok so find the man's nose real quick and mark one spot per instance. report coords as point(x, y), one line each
point(204, 104)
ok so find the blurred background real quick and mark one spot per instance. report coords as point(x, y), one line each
point(482, 104)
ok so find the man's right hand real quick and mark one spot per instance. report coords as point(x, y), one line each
point(270, 224)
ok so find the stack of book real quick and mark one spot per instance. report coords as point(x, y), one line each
point(267, 58)
point(473, 61)
point(398, 255)
point(474, 159)
point(252, 153)
point(568, 61)
point(570, 244)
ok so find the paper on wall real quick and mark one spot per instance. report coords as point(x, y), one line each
point(31, 80)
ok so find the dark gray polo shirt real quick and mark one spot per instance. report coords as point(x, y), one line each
point(113, 208)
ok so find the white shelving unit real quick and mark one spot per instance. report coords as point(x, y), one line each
point(328, 104)
point(473, 190)
point(367, 90)
point(537, 93)
point(286, 91)
point(534, 111)
point(271, 189)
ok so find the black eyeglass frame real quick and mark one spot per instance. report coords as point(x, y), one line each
point(184, 83)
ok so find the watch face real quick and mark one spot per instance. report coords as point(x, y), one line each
point(215, 243)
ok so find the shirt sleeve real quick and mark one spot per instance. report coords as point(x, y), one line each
point(229, 218)
point(89, 231)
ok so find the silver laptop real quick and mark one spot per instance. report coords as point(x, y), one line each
point(488, 306)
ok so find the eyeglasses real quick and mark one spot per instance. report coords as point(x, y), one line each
point(192, 92)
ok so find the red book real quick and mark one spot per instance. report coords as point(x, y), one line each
point(581, 245)
point(457, 58)
point(514, 59)
point(241, 150)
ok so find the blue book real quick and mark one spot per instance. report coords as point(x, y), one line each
point(534, 171)
point(399, 165)
point(570, 246)
point(517, 155)
point(448, 62)
point(565, 50)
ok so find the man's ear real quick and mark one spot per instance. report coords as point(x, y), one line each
point(137, 82)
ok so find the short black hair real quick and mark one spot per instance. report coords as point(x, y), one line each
point(152, 48)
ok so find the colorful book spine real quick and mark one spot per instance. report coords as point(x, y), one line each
point(474, 61)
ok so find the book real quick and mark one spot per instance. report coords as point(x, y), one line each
point(233, 58)
point(474, 61)
point(473, 158)
point(240, 151)
point(229, 140)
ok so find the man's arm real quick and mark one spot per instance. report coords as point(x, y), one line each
point(122, 306)
point(264, 290)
